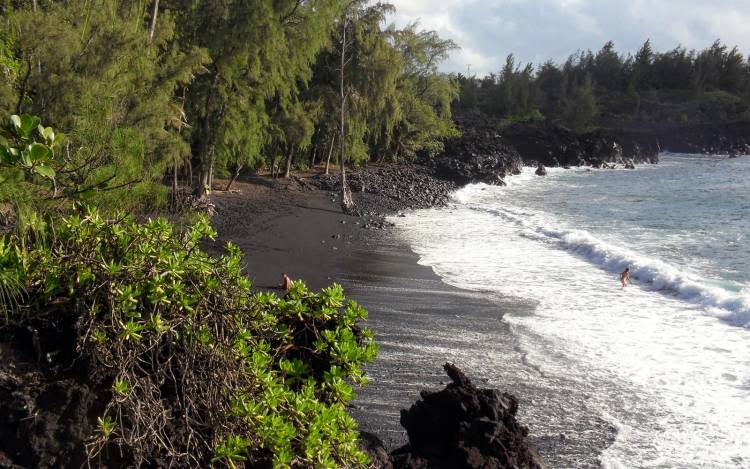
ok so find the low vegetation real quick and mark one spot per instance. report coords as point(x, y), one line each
point(193, 367)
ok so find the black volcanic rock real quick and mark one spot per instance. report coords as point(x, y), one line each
point(464, 427)
point(390, 188)
point(375, 449)
point(478, 155)
point(711, 138)
point(554, 145)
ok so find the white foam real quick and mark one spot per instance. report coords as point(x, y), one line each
point(650, 272)
point(673, 381)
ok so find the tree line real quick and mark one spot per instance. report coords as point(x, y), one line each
point(608, 88)
point(147, 91)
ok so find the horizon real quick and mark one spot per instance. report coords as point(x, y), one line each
point(542, 30)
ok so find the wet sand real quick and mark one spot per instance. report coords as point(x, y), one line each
point(420, 322)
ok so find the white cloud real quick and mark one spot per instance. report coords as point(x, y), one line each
point(538, 30)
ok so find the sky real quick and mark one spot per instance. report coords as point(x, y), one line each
point(540, 30)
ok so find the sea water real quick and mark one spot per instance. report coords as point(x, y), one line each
point(667, 359)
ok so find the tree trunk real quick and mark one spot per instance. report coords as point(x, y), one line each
point(347, 204)
point(234, 177)
point(178, 162)
point(330, 152)
point(288, 170)
point(22, 92)
point(206, 147)
point(273, 168)
point(201, 188)
point(153, 20)
point(174, 186)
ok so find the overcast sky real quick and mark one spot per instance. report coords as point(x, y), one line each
point(539, 30)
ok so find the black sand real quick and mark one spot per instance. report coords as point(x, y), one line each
point(419, 321)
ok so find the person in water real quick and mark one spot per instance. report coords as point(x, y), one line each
point(286, 282)
point(625, 277)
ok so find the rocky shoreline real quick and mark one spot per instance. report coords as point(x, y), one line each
point(483, 154)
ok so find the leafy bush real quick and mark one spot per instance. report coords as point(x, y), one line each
point(200, 369)
point(28, 146)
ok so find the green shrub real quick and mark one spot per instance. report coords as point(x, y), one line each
point(199, 369)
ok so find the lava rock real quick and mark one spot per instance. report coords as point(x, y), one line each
point(393, 187)
point(478, 155)
point(372, 446)
point(464, 427)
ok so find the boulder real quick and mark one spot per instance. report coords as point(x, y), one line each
point(371, 445)
point(462, 426)
point(540, 170)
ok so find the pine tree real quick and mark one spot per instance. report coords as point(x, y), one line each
point(91, 71)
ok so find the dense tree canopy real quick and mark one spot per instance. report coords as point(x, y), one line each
point(610, 89)
point(143, 90)
point(90, 70)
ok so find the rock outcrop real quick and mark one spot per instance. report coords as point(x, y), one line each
point(464, 427)
point(554, 145)
point(710, 138)
point(479, 155)
point(45, 411)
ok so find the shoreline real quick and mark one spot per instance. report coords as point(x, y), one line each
point(420, 322)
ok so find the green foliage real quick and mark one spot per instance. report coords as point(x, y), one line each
point(582, 108)
point(608, 88)
point(397, 102)
point(532, 116)
point(106, 426)
point(224, 85)
point(424, 94)
point(8, 64)
point(121, 387)
point(261, 53)
point(11, 283)
point(27, 146)
point(90, 70)
point(254, 377)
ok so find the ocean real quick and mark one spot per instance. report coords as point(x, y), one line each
point(664, 362)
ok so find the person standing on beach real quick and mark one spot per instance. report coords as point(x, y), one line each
point(286, 282)
point(625, 277)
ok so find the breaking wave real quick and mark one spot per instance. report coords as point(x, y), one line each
point(731, 304)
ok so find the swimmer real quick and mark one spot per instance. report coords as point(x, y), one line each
point(625, 277)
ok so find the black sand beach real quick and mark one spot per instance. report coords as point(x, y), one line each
point(419, 321)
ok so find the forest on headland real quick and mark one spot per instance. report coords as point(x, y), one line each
point(609, 89)
point(116, 110)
